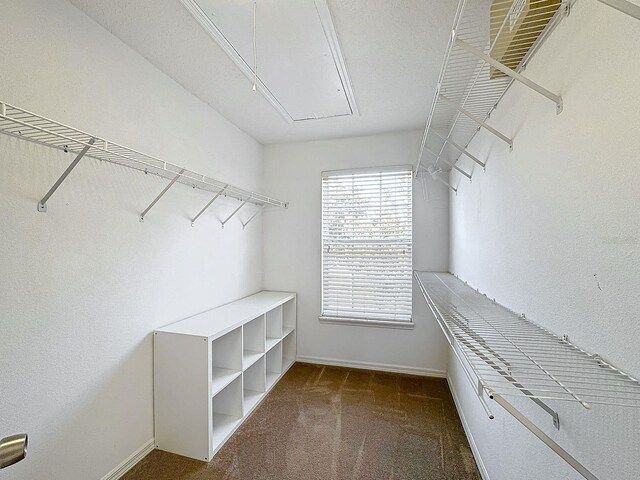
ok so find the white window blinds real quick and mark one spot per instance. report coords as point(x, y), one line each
point(366, 244)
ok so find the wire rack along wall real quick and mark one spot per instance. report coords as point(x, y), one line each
point(510, 356)
point(20, 123)
point(490, 45)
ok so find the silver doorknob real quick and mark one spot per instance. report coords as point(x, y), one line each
point(13, 449)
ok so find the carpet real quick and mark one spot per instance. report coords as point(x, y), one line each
point(331, 423)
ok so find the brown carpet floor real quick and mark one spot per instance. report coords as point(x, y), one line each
point(328, 423)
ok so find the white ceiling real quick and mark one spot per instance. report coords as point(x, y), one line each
point(305, 31)
point(393, 51)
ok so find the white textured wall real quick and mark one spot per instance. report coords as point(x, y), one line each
point(83, 286)
point(552, 230)
point(292, 249)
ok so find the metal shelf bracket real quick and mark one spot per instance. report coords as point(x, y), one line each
point(166, 189)
point(624, 6)
point(561, 452)
point(478, 120)
point(253, 216)
point(446, 183)
point(557, 99)
point(512, 356)
point(460, 149)
point(42, 204)
point(468, 79)
point(502, 367)
point(25, 125)
point(193, 221)
point(235, 211)
point(451, 164)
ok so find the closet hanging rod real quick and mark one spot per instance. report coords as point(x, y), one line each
point(26, 125)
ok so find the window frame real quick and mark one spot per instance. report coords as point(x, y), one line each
point(361, 321)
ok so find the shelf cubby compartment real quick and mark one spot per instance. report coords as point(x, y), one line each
point(274, 364)
point(274, 327)
point(226, 355)
point(288, 351)
point(254, 384)
point(210, 371)
point(287, 331)
point(227, 411)
point(253, 335)
point(288, 317)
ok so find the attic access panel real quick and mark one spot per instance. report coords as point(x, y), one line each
point(301, 71)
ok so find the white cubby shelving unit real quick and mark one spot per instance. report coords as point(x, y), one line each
point(212, 370)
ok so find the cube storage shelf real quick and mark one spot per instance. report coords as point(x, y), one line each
point(213, 369)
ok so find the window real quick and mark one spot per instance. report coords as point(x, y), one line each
point(366, 246)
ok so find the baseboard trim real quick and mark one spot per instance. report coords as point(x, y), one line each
point(467, 430)
point(383, 367)
point(131, 461)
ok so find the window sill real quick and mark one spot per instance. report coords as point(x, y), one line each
point(361, 322)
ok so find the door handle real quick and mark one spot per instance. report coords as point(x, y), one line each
point(13, 449)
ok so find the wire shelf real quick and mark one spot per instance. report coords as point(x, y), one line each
point(512, 356)
point(20, 123)
point(471, 83)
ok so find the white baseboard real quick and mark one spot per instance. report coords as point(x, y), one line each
point(131, 461)
point(383, 367)
point(467, 430)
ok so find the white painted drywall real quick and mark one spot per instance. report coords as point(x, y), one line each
point(292, 250)
point(552, 229)
point(83, 286)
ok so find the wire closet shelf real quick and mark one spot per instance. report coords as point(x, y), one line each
point(20, 123)
point(472, 81)
point(490, 45)
point(512, 356)
point(504, 355)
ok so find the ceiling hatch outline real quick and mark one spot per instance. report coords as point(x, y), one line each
point(330, 35)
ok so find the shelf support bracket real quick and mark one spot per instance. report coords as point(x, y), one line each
point(436, 177)
point(253, 216)
point(42, 204)
point(557, 99)
point(236, 211)
point(193, 221)
point(479, 121)
point(561, 452)
point(452, 165)
point(624, 6)
point(166, 189)
point(499, 369)
point(460, 149)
